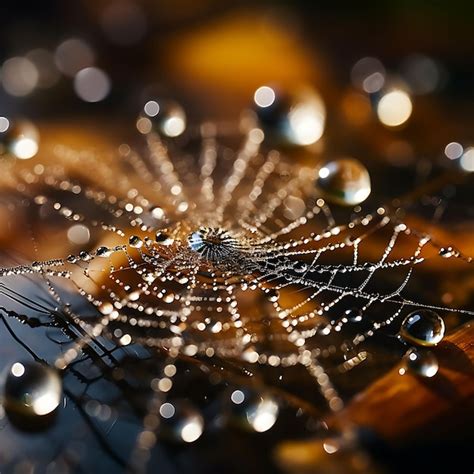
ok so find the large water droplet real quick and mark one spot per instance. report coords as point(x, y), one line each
point(165, 117)
point(296, 118)
point(420, 362)
point(423, 327)
point(253, 410)
point(181, 421)
point(32, 391)
point(344, 181)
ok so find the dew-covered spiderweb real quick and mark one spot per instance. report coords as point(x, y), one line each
point(204, 291)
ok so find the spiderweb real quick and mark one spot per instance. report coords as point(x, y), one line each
point(213, 270)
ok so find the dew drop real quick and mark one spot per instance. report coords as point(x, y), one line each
point(163, 239)
point(20, 139)
point(272, 295)
point(354, 315)
point(135, 241)
point(423, 327)
point(421, 362)
point(300, 267)
point(181, 421)
point(157, 213)
point(32, 391)
point(345, 181)
point(252, 410)
point(71, 259)
point(447, 252)
point(296, 118)
point(165, 117)
point(104, 252)
point(85, 256)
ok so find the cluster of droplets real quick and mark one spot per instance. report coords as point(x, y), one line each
point(231, 258)
point(423, 329)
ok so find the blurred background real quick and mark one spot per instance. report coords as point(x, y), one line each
point(100, 61)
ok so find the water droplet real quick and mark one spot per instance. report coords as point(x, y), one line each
point(135, 241)
point(447, 252)
point(296, 118)
point(420, 362)
point(157, 213)
point(354, 315)
point(181, 421)
point(163, 238)
point(19, 138)
point(71, 259)
point(272, 295)
point(32, 390)
point(252, 410)
point(162, 116)
point(300, 267)
point(104, 252)
point(85, 256)
point(423, 327)
point(345, 181)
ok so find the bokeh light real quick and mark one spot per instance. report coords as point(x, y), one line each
point(19, 76)
point(394, 108)
point(92, 84)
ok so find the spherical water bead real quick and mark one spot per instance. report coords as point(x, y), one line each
point(165, 117)
point(421, 362)
point(252, 410)
point(104, 252)
point(296, 118)
point(135, 241)
point(19, 139)
point(447, 252)
point(273, 295)
point(353, 315)
point(163, 238)
point(423, 327)
point(181, 421)
point(32, 390)
point(345, 181)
